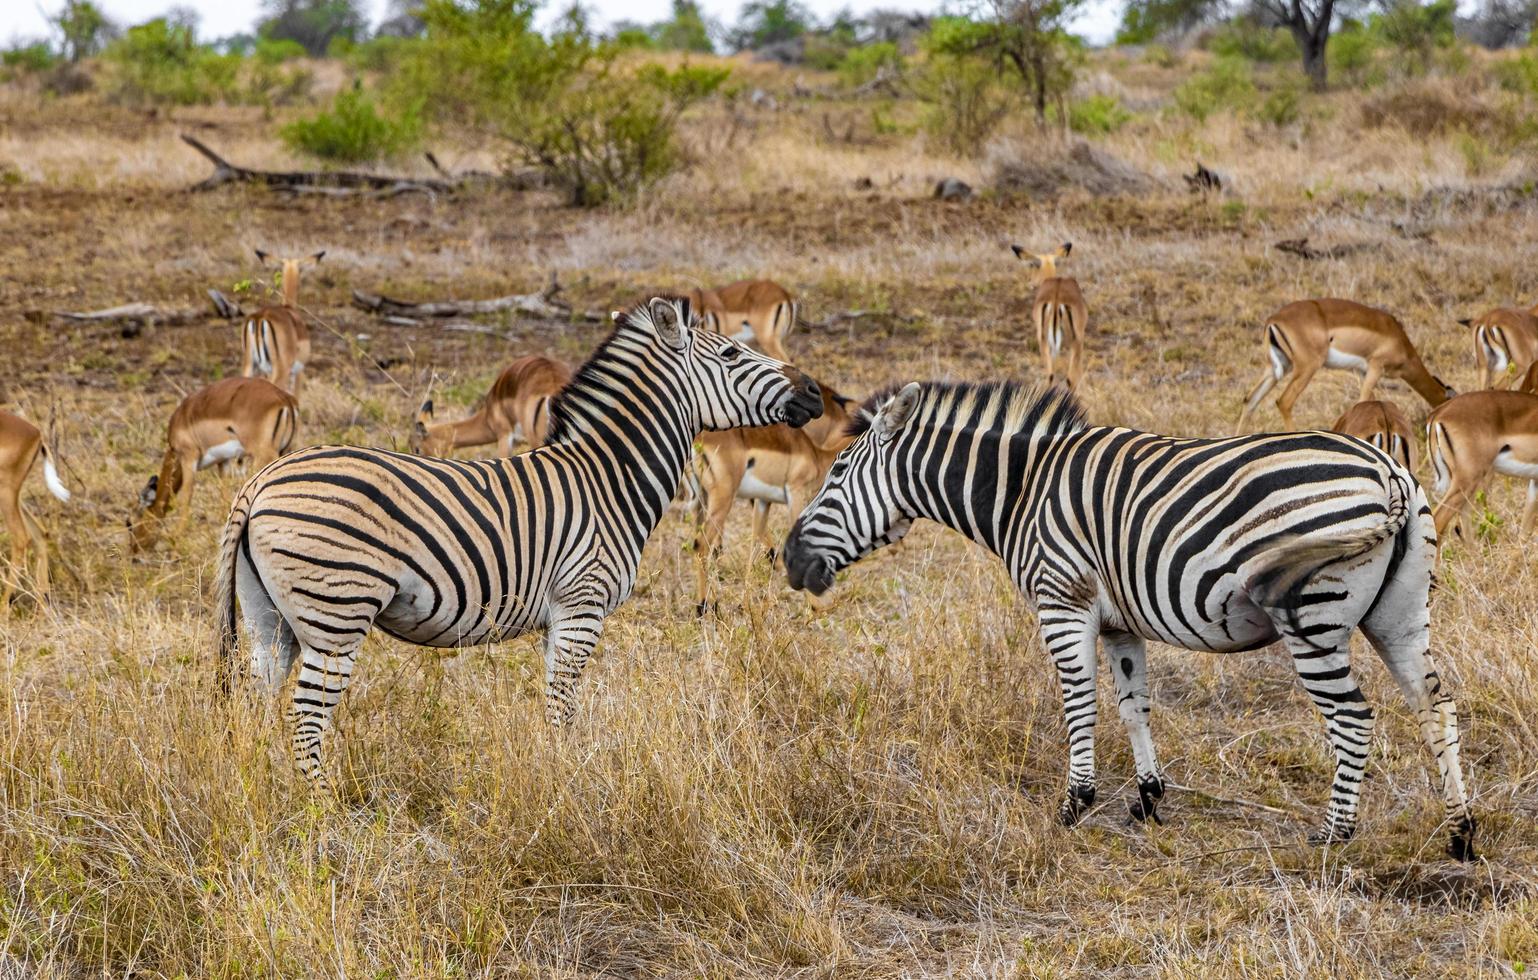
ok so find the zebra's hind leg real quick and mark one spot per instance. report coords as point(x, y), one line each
point(273, 644)
point(1128, 657)
point(1399, 629)
point(323, 678)
point(1323, 663)
point(568, 645)
point(1069, 635)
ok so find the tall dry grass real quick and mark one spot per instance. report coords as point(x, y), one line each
point(867, 791)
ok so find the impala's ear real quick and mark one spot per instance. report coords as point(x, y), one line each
point(318, 256)
point(1064, 249)
point(670, 321)
point(147, 495)
point(1466, 322)
point(896, 413)
point(426, 411)
point(1019, 251)
point(261, 256)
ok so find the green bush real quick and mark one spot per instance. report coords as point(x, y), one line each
point(270, 51)
point(378, 53)
point(1281, 106)
point(1097, 115)
point(1353, 54)
point(161, 63)
point(861, 64)
point(1244, 38)
point(1228, 84)
point(353, 131)
point(28, 58)
point(1519, 74)
point(1418, 29)
point(966, 101)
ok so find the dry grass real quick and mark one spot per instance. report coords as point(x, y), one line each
point(865, 792)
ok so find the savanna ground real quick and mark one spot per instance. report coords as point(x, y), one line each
point(866, 791)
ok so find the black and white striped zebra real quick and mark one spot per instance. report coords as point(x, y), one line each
point(1221, 545)
point(332, 542)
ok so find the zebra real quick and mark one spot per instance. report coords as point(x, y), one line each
point(1223, 545)
point(331, 542)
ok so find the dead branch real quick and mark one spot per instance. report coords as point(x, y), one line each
point(1301, 248)
point(541, 304)
point(226, 172)
point(224, 306)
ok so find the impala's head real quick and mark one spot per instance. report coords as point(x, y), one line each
point(856, 511)
point(422, 440)
point(289, 271)
point(146, 518)
point(1044, 263)
point(659, 352)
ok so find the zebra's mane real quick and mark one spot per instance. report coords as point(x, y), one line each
point(1008, 407)
point(594, 380)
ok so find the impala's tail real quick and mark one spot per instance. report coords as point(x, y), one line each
point(51, 475)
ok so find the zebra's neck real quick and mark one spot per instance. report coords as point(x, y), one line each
point(631, 415)
point(981, 487)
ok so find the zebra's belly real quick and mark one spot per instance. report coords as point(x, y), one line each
point(410, 617)
point(1239, 625)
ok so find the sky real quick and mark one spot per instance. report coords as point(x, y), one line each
point(28, 19)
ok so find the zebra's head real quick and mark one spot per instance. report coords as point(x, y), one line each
point(731, 385)
point(857, 510)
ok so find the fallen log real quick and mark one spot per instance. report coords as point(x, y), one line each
point(1301, 248)
point(541, 304)
point(226, 172)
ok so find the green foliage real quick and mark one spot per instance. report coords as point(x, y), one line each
point(1417, 29)
point(966, 101)
point(28, 58)
point(353, 131)
point(1161, 55)
point(275, 51)
point(1519, 74)
point(1026, 38)
point(765, 22)
point(377, 53)
point(684, 31)
point(1097, 115)
point(161, 63)
point(1143, 21)
point(1353, 52)
point(83, 28)
point(1282, 106)
point(561, 102)
point(1245, 38)
point(862, 63)
point(313, 24)
point(1228, 84)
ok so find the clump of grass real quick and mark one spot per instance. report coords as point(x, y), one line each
point(353, 130)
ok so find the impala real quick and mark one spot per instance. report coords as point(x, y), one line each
point(772, 464)
point(1060, 316)
point(1505, 345)
point(1382, 424)
point(228, 420)
point(755, 311)
point(275, 341)
point(20, 445)
point(517, 407)
point(1477, 434)
point(1310, 334)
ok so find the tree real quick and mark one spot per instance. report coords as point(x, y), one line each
point(313, 23)
point(1309, 22)
point(1025, 37)
point(83, 29)
point(1146, 20)
point(685, 31)
point(766, 22)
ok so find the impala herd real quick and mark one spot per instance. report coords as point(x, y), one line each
point(255, 417)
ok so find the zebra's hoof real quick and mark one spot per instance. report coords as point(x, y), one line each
point(1332, 833)
point(1461, 846)
point(1078, 800)
point(1146, 807)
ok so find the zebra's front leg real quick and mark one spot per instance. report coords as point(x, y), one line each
point(1069, 635)
point(1323, 664)
point(1128, 657)
point(568, 645)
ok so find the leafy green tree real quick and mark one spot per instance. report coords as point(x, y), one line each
point(1143, 21)
point(1310, 22)
point(83, 29)
point(313, 23)
point(766, 22)
point(684, 31)
point(1026, 38)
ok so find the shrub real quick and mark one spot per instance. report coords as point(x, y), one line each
point(28, 58)
point(1519, 74)
point(863, 63)
point(1245, 38)
point(1098, 115)
point(353, 131)
point(275, 51)
point(161, 63)
point(1352, 53)
point(966, 101)
point(1228, 84)
point(1417, 29)
point(1281, 106)
point(378, 53)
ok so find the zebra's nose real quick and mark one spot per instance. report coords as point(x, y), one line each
point(812, 389)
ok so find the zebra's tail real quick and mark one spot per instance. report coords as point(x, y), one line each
point(224, 588)
point(1287, 567)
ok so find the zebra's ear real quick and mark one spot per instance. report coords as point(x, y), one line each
point(670, 321)
point(896, 413)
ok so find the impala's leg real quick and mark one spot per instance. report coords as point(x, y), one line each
point(189, 467)
point(1262, 388)
point(1069, 634)
point(761, 528)
point(1528, 508)
point(1370, 382)
point(718, 482)
point(40, 580)
point(1076, 365)
point(16, 529)
point(1399, 628)
point(1301, 376)
point(1323, 663)
point(247, 344)
point(568, 646)
point(1128, 657)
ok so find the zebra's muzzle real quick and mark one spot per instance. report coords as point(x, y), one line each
point(805, 401)
point(805, 570)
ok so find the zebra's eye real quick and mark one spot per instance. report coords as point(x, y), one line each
point(838, 470)
point(730, 353)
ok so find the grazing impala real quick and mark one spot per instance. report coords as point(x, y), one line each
point(772, 464)
point(1060, 316)
point(1305, 336)
point(20, 445)
point(275, 341)
point(1382, 424)
point(1505, 345)
point(1477, 434)
point(517, 407)
point(230, 419)
point(752, 310)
